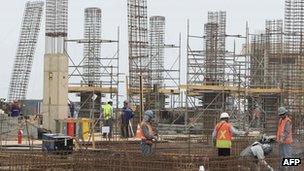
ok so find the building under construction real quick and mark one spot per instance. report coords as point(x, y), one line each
point(249, 79)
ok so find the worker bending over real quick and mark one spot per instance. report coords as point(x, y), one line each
point(258, 150)
point(222, 135)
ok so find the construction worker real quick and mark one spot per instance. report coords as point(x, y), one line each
point(222, 135)
point(146, 134)
point(15, 109)
point(284, 134)
point(108, 116)
point(126, 116)
point(258, 150)
point(71, 108)
point(256, 117)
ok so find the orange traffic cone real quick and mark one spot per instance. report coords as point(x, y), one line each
point(139, 133)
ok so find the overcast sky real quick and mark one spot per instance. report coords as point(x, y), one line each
point(114, 14)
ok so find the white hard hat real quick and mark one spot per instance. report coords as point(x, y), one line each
point(282, 110)
point(224, 115)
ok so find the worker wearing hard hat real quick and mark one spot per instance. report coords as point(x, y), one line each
point(284, 134)
point(258, 150)
point(146, 134)
point(222, 135)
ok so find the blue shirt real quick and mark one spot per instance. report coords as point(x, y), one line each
point(127, 114)
point(15, 111)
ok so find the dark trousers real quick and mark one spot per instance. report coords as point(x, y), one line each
point(125, 130)
point(223, 151)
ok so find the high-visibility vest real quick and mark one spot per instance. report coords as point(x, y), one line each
point(107, 111)
point(223, 135)
point(140, 133)
point(281, 128)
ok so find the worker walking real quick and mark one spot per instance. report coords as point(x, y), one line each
point(146, 134)
point(108, 117)
point(222, 135)
point(284, 134)
point(126, 116)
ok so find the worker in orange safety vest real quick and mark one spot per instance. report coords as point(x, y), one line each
point(146, 134)
point(284, 134)
point(222, 135)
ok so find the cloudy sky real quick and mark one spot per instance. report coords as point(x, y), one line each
point(115, 14)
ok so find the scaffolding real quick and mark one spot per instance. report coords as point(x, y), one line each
point(106, 88)
point(91, 65)
point(25, 51)
point(251, 85)
point(217, 79)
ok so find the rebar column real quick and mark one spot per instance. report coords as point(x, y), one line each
point(25, 51)
point(55, 90)
point(215, 31)
point(157, 42)
point(56, 26)
point(138, 48)
point(91, 51)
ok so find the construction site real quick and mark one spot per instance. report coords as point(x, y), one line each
point(187, 84)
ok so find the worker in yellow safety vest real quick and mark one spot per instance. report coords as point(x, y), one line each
point(222, 135)
point(108, 116)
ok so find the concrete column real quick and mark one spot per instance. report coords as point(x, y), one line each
point(55, 92)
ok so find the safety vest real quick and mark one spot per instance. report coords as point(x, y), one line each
point(223, 135)
point(107, 111)
point(280, 131)
point(140, 133)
